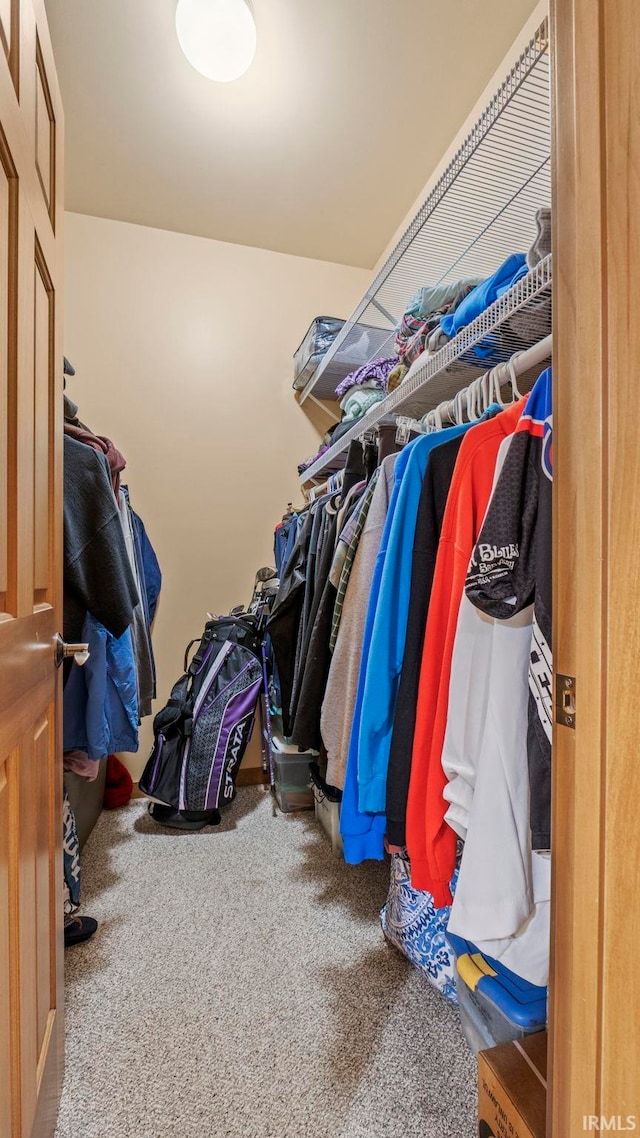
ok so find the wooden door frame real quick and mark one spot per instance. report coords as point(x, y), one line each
point(31, 104)
point(52, 1076)
point(595, 986)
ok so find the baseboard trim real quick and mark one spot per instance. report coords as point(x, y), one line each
point(252, 776)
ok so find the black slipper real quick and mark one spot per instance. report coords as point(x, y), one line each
point(183, 819)
point(78, 929)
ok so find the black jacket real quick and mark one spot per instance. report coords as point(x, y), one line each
point(97, 571)
point(285, 618)
point(431, 507)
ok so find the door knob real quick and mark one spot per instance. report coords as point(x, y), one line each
point(64, 651)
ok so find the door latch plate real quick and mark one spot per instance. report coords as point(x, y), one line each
point(566, 700)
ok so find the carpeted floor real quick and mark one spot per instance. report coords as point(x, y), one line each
point(239, 986)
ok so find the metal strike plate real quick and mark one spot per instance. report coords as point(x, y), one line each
point(566, 700)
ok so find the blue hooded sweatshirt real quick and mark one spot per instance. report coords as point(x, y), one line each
point(363, 834)
point(482, 296)
point(386, 651)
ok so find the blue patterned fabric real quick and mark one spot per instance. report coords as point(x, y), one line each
point(71, 851)
point(411, 922)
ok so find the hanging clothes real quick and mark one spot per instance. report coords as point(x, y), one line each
point(306, 731)
point(101, 698)
point(431, 843)
point(503, 897)
point(345, 555)
point(148, 567)
point(140, 627)
point(97, 572)
point(384, 663)
point(420, 605)
point(284, 622)
point(78, 762)
point(111, 575)
point(71, 859)
point(363, 833)
point(520, 523)
point(305, 718)
point(342, 683)
point(102, 445)
point(431, 508)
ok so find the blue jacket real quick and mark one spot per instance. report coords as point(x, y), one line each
point(485, 294)
point(147, 564)
point(363, 833)
point(381, 676)
point(100, 698)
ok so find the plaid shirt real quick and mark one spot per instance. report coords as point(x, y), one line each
point(347, 558)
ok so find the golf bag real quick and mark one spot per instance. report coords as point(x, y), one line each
point(202, 732)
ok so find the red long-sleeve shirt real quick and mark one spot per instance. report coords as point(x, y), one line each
point(430, 841)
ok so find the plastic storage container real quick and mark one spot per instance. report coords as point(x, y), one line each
point(328, 815)
point(496, 1006)
point(293, 781)
point(279, 741)
point(316, 344)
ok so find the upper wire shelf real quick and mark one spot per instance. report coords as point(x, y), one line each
point(481, 209)
point(518, 319)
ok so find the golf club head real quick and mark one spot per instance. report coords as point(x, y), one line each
point(265, 574)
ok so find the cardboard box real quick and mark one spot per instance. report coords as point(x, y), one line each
point(512, 1089)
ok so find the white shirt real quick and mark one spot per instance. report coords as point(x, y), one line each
point(501, 901)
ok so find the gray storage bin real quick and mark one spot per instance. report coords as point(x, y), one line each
point(316, 343)
point(293, 781)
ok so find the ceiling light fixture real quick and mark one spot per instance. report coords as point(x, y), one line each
point(218, 37)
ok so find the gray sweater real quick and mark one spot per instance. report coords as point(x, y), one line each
point(342, 685)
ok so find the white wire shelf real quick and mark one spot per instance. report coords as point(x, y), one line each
point(481, 209)
point(519, 319)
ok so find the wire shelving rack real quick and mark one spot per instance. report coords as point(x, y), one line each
point(481, 209)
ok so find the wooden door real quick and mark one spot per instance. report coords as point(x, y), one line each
point(31, 353)
point(595, 987)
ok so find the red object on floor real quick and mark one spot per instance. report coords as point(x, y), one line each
point(118, 786)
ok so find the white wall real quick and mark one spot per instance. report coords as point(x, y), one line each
point(182, 348)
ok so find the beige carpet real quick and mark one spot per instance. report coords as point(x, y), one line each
point(239, 986)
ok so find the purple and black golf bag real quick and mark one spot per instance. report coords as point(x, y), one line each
point(202, 732)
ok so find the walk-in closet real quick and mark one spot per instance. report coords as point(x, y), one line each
point(319, 594)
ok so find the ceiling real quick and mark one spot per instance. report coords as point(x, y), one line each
point(319, 150)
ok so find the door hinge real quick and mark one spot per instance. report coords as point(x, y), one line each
point(566, 700)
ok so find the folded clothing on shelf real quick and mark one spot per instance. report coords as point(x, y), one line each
point(376, 372)
point(302, 466)
point(396, 377)
point(355, 405)
point(541, 247)
point(424, 314)
point(359, 400)
point(433, 298)
point(480, 298)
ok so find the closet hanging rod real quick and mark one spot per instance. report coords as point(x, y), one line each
point(519, 364)
point(531, 357)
